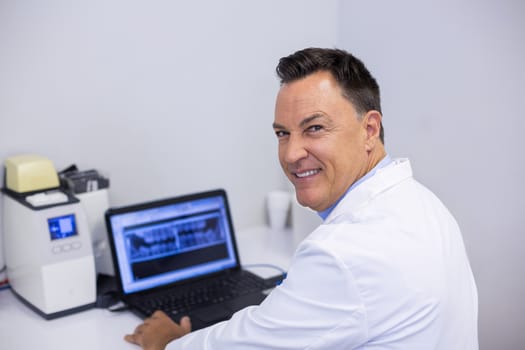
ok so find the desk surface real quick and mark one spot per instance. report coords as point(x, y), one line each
point(22, 329)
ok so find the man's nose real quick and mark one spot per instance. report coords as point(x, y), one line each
point(294, 150)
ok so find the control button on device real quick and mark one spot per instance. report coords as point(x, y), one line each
point(56, 249)
point(66, 247)
point(76, 245)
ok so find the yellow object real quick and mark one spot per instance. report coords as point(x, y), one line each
point(30, 172)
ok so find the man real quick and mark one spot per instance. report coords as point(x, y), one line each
point(387, 269)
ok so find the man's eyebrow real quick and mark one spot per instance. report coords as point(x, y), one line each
point(311, 118)
point(277, 126)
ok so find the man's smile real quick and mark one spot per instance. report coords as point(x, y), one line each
point(306, 173)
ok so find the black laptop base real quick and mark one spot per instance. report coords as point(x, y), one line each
point(205, 309)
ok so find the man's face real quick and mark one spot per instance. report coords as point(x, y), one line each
point(322, 144)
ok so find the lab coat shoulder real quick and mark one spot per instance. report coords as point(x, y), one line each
point(406, 254)
point(387, 278)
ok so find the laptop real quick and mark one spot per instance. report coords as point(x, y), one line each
point(179, 255)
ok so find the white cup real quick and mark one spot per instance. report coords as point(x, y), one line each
point(278, 208)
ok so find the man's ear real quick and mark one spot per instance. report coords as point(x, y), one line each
point(372, 122)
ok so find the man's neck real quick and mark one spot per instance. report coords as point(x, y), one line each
point(380, 163)
point(375, 156)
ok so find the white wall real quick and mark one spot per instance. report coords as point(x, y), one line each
point(165, 97)
point(170, 97)
point(453, 85)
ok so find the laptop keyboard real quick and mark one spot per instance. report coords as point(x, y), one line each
point(179, 301)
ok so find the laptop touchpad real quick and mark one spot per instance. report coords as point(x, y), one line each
point(214, 313)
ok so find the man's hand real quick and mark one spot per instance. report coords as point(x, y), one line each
point(158, 330)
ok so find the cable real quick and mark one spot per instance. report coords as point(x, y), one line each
point(4, 285)
point(282, 271)
point(118, 307)
point(273, 280)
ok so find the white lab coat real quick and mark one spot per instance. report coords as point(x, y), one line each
point(386, 270)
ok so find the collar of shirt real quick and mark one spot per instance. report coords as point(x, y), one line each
point(383, 163)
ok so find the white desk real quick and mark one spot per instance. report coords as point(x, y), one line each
point(23, 329)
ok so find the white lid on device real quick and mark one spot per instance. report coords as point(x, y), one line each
point(47, 198)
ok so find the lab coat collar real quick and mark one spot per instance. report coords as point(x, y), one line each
point(386, 177)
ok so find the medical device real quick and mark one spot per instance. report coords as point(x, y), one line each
point(48, 248)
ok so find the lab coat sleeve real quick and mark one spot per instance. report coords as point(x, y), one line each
point(316, 307)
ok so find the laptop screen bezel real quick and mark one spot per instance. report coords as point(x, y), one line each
point(114, 211)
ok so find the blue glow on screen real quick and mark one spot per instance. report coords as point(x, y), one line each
point(62, 226)
point(170, 243)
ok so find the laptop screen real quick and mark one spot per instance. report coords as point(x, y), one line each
point(163, 242)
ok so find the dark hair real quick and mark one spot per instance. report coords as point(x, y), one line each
point(358, 85)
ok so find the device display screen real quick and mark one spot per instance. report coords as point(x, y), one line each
point(62, 226)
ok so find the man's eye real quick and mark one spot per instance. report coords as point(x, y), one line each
point(314, 128)
point(280, 133)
